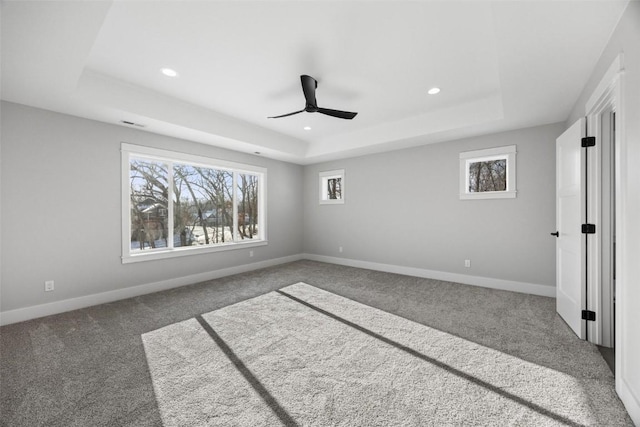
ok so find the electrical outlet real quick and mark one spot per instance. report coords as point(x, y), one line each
point(49, 286)
point(467, 263)
point(250, 254)
point(340, 249)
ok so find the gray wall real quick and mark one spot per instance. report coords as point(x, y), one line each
point(403, 208)
point(61, 214)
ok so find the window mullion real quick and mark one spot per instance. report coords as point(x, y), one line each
point(170, 191)
point(234, 227)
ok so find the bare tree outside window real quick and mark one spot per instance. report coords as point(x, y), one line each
point(334, 188)
point(149, 204)
point(490, 175)
point(174, 204)
point(247, 206)
point(203, 206)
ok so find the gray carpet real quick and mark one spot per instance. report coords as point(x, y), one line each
point(356, 347)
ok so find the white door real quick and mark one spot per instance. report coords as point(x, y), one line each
point(570, 208)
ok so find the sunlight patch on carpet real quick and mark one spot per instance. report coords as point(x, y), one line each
point(306, 356)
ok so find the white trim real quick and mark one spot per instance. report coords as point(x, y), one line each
point(611, 92)
point(508, 153)
point(629, 399)
point(323, 177)
point(485, 282)
point(151, 254)
point(605, 97)
point(171, 156)
point(489, 195)
point(57, 307)
point(125, 222)
point(606, 84)
point(234, 208)
point(595, 289)
point(35, 311)
point(494, 152)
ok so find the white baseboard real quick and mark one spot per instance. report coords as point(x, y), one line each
point(629, 399)
point(486, 282)
point(33, 312)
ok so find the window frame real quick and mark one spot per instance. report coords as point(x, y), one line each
point(323, 178)
point(132, 151)
point(468, 157)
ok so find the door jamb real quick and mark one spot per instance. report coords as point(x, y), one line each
point(608, 95)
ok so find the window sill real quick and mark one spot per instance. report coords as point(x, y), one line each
point(151, 254)
point(489, 195)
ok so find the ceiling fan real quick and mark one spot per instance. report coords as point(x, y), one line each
point(309, 85)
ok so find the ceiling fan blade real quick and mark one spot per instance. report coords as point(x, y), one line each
point(337, 113)
point(309, 85)
point(285, 115)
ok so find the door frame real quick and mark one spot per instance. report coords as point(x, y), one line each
point(607, 97)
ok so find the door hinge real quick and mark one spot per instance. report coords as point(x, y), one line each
point(588, 141)
point(588, 228)
point(589, 315)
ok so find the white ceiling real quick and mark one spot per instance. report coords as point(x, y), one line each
point(501, 65)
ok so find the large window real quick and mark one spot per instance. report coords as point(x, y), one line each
point(177, 204)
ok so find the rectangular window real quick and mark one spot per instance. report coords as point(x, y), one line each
point(176, 204)
point(488, 174)
point(332, 187)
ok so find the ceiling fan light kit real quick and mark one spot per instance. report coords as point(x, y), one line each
point(309, 85)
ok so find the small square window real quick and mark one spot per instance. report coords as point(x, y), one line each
point(332, 187)
point(488, 174)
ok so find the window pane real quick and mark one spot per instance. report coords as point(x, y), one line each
point(488, 175)
point(177, 200)
point(202, 206)
point(334, 188)
point(149, 213)
point(247, 206)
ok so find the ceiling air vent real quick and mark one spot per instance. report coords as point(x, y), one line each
point(128, 123)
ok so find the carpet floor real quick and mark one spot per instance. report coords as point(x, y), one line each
point(307, 343)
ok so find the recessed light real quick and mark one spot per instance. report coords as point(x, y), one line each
point(169, 72)
point(433, 90)
point(307, 128)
